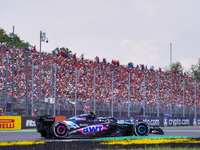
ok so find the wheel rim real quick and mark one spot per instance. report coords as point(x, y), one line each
point(142, 129)
point(61, 130)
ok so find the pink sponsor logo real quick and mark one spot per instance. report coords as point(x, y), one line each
point(92, 129)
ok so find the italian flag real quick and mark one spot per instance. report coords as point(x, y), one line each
point(73, 104)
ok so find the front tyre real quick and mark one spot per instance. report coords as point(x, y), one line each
point(141, 129)
point(59, 130)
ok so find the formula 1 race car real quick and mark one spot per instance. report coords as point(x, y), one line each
point(86, 125)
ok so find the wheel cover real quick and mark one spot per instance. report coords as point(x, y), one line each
point(142, 129)
point(61, 129)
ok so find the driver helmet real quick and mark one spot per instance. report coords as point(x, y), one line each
point(92, 112)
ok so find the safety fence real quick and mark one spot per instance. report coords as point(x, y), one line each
point(104, 109)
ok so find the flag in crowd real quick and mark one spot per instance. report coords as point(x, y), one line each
point(87, 107)
point(73, 105)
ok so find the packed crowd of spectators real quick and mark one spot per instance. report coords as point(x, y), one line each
point(144, 81)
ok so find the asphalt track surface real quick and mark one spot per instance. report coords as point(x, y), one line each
point(26, 135)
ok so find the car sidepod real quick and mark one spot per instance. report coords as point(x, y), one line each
point(125, 128)
point(93, 129)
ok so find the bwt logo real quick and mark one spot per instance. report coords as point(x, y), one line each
point(92, 129)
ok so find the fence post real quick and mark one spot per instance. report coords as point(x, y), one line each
point(171, 97)
point(120, 109)
point(104, 108)
point(129, 95)
point(75, 90)
point(32, 87)
point(158, 101)
point(144, 98)
point(27, 53)
point(94, 92)
point(13, 39)
point(195, 100)
point(183, 98)
point(112, 91)
point(54, 112)
point(52, 77)
point(6, 87)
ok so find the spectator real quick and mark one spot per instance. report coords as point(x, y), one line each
point(74, 56)
point(97, 59)
point(65, 78)
point(104, 61)
point(82, 57)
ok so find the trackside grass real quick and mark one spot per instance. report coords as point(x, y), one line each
point(130, 144)
point(149, 141)
point(21, 143)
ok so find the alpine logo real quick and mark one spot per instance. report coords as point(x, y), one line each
point(93, 129)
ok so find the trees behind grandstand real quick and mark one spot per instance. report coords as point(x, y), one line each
point(175, 67)
point(7, 39)
point(195, 71)
point(62, 49)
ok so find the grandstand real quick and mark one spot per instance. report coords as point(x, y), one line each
point(144, 86)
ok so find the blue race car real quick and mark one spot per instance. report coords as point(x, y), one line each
point(86, 125)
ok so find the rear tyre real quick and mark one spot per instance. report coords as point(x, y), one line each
point(59, 130)
point(141, 129)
